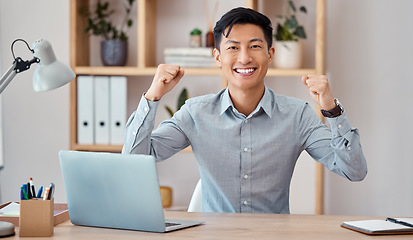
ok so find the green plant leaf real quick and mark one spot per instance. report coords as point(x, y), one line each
point(299, 32)
point(288, 29)
point(283, 34)
point(292, 5)
point(196, 31)
point(169, 110)
point(291, 23)
point(182, 98)
point(105, 6)
point(123, 36)
point(100, 25)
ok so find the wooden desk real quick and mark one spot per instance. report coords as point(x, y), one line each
point(232, 226)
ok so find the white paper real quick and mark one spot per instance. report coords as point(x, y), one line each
point(11, 210)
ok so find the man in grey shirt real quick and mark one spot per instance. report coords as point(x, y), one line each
point(246, 139)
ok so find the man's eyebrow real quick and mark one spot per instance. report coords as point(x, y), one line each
point(256, 40)
point(232, 41)
point(252, 40)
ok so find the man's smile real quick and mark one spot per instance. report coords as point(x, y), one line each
point(245, 71)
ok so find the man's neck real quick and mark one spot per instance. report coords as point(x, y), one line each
point(246, 101)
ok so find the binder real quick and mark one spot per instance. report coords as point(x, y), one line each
point(101, 109)
point(118, 98)
point(85, 108)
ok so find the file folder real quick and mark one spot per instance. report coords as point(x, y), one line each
point(101, 109)
point(118, 99)
point(85, 110)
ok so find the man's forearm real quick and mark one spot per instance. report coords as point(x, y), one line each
point(139, 127)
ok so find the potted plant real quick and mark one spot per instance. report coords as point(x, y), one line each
point(288, 48)
point(115, 40)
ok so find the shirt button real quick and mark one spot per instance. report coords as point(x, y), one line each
point(339, 126)
point(349, 148)
point(245, 149)
point(145, 109)
point(246, 176)
point(246, 121)
point(134, 133)
point(245, 203)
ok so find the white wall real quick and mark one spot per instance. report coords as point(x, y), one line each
point(369, 60)
point(369, 54)
point(36, 125)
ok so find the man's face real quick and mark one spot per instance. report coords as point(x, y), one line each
point(244, 57)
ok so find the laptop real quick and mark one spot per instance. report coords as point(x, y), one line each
point(112, 190)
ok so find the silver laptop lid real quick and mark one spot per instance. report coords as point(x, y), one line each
point(112, 190)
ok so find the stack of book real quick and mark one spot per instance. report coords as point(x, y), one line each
point(190, 57)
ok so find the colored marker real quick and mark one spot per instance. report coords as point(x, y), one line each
point(46, 194)
point(24, 193)
point(39, 194)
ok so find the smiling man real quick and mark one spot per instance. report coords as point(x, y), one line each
point(246, 139)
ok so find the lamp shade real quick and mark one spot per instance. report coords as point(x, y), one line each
point(50, 73)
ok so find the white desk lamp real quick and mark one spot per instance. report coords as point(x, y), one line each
point(49, 74)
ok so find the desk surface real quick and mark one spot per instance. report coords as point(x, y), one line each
point(232, 226)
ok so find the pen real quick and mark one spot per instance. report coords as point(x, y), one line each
point(51, 191)
point(46, 194)
point(24, 193)
point(39, 194)
point(33, 193)
point(28, 191)
point(399, 222)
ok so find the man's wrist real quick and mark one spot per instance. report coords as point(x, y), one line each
point(151, 98)
point(334, 112)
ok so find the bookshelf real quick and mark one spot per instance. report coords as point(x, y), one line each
point(146, 63)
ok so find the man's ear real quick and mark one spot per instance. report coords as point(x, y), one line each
point(271, 53)
point(217, 56)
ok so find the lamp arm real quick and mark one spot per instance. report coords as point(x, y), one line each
point(8, 76)
point(18, 66)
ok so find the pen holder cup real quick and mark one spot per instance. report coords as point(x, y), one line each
point(36, 218)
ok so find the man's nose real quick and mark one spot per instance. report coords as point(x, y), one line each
point(244, 56)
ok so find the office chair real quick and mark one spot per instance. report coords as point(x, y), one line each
point(196, 200)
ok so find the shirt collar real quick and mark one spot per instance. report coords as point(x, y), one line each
point(265, 103)
point(225, 101)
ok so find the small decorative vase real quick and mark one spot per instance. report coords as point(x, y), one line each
point(288, 54)
point(114, 52)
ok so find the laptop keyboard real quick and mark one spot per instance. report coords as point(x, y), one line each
point(169, 224)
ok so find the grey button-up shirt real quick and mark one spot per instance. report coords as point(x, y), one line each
point(246, 162)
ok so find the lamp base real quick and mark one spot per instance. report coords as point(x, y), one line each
point(6, 229)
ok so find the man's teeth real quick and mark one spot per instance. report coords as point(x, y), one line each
point(244, 71)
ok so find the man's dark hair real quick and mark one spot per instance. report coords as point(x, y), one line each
point(242, 15)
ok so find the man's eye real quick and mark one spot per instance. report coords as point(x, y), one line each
point(255, 46)
point(232, 47)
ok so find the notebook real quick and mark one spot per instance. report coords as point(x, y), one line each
point(376, 227)
point(114, 190)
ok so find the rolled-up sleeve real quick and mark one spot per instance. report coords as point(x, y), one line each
point(139, 127)
point(338, 148)
point(346, 143)
point(163, 142)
